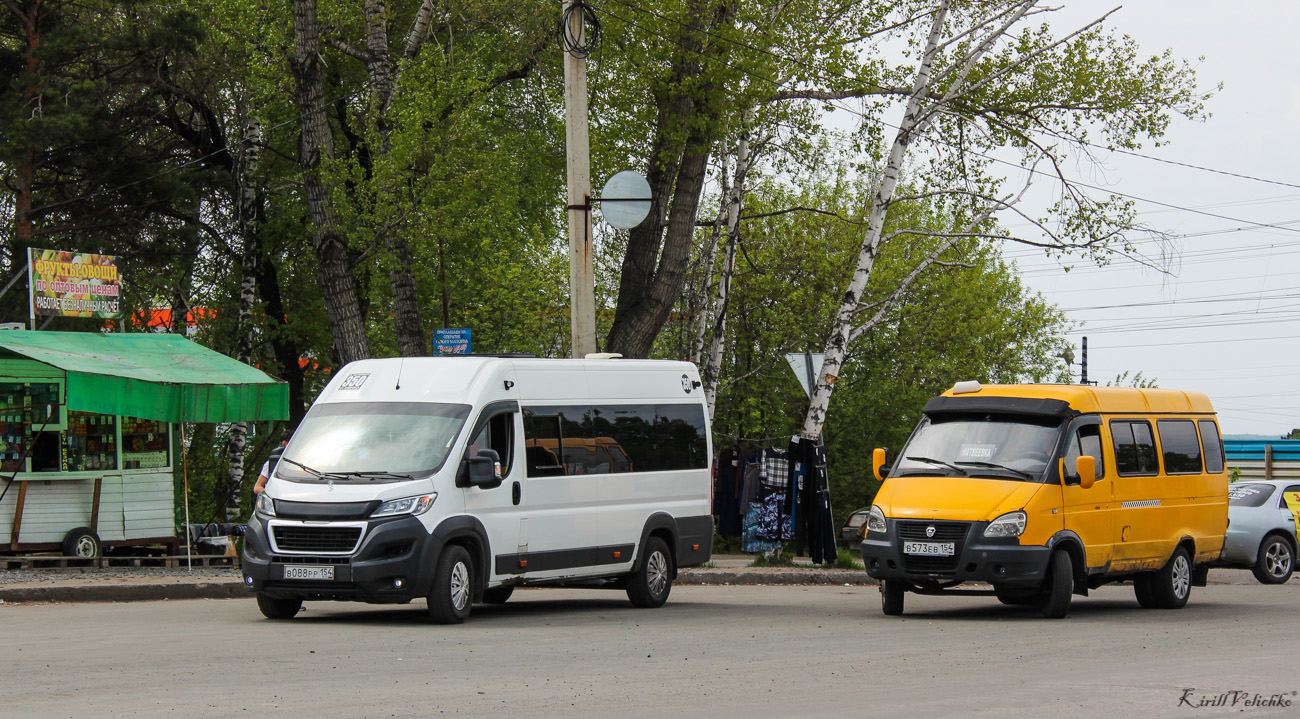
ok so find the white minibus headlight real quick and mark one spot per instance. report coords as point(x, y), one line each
point(264, 505)
point(876, 520)
point(407, 505)
point(1011, 524)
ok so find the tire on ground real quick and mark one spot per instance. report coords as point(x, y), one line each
point(1060, 586)
point(649, 584)
point(1144, 590)
point(1172, 585)
point(276, 608)
point(892, 597)
point(1275, 560)
point(451, 596)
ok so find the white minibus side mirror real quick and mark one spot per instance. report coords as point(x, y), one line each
point(484, 470)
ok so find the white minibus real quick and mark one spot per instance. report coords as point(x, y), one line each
point(458, 478)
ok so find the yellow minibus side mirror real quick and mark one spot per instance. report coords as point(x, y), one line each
point(1086, 466)
point(877, 461)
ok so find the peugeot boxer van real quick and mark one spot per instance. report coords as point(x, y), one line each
point(458, 478)
point(1045, 491)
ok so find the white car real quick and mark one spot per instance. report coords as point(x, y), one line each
point(1262, 528)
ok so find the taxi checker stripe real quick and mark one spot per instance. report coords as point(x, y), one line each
point(1140, 503)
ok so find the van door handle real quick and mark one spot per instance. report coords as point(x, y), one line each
point(514, 493)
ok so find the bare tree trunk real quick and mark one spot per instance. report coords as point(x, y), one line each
point(658, 251)
point(333, 266)
point(408, 324)
point(837, 344)
point(638, 321)
point(713, 364)
point(25, 172)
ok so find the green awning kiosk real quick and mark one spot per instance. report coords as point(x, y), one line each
point(88, 446)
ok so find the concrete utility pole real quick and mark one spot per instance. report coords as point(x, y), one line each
point(582, 292)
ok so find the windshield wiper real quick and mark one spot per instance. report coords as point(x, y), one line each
point(991, 465)
point(314, 472)
point(379, 475)
point(940, 462)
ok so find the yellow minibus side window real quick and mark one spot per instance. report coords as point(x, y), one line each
point(1085, 440)
point(1179, 445)
point(1211, 446)
point(1135, 448)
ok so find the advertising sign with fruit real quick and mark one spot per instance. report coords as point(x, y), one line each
point(73, 284)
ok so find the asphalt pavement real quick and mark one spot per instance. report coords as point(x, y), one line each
point(793, 652)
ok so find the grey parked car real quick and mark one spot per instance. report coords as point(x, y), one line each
point(851, 532)
point(1261, 529)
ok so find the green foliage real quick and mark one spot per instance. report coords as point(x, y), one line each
point(846, 559)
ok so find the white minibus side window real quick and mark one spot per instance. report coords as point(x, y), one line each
point(497, 435)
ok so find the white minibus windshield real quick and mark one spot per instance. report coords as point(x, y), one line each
point(372, 441)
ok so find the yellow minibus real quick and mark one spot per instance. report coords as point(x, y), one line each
point(1046, 491)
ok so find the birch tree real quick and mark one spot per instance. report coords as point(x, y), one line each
point(986, 81)
point(712, 359)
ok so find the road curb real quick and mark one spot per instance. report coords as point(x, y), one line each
point(124, 592)
point(234, 589)
point(812, 576)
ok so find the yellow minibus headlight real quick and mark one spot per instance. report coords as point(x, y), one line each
point(876, 520)
point(1011, 524)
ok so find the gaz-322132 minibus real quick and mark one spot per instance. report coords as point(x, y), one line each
point(1045, 491)
point(457, 479)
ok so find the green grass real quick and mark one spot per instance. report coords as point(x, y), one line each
point(847, 559)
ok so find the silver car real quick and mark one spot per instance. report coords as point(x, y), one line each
point(1262, 528)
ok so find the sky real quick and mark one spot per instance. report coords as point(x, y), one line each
point(1225, 318)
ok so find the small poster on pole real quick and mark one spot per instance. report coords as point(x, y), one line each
point(73, 284)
